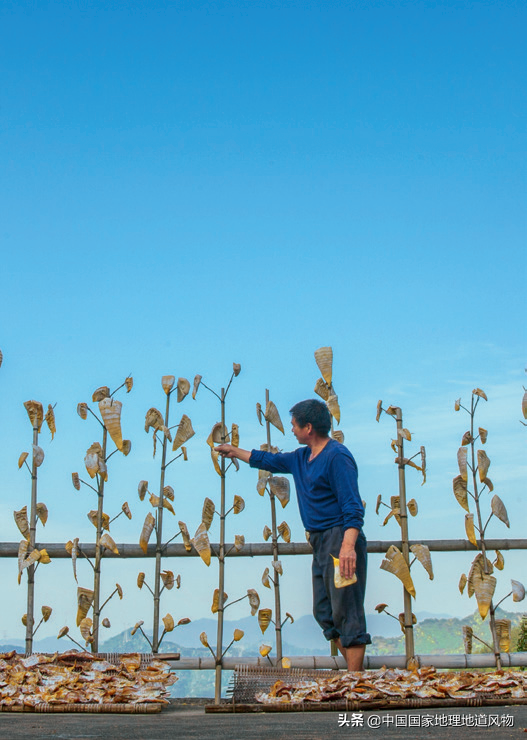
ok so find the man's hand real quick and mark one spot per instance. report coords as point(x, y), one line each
point(231, 451)
point(347, 555)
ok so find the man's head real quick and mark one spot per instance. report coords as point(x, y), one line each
point(312, 412)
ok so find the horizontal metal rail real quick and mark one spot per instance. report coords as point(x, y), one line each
point(256, 549)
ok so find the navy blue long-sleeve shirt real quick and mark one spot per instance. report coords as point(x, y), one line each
point(326, 487)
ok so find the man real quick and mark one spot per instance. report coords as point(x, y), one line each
point(331, 509)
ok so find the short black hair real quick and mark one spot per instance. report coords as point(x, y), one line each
point(312, 412)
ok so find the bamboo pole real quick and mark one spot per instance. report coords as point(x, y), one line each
point(408, 623)
point(221, 560)
point(98, 551)
point(30, 614)
point(159, 535)
point(276, 575)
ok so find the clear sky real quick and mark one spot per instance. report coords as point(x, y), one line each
point(188, 184)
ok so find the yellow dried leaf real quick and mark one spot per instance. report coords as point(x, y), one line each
point(202, 544)
point(148, 527)
point(235, 435)
point(239, 542)
point(480, 393)
point(499, 510)
point(22, 522)
point(215, 461)
point(264, 650)
point(470, 529)
point(281, 488)
point(482, 435)
point(518, 591)
point(107, 542)
point(140, 580)
point(76, 481)
point(169, 581)
point(207, 513)
point(322, 389)
point(264, 618)
point(237, 635)
point(422, 553)
point(333, 406)
point(338, 580)
point(38, 456)
point(462, 462)
point(324, 360)
point(204, 640)
point(110, 410)
point(184, 432)
point(466, 439)
point(129, 383)
point(338, 435)
point(42, 512)
point(35, 412)
point(395, 563)
point(85, 630)
point(100, 393)
point(412, 507)
point(82, 410)
point(238, 504)
point(50, 420)
point(273, 417)
point(168, 622)
point(266, 533)
point(284, 531)
point(185, 535)
point(460, 492)
point(216, 600)
point(197, 381)
point(46, 612)
point(259, 413)
point(126, 510)
point(265, 578)
point(405, 434)
point(254, 600)
point(462, 583)
point(142, 489)
point(167, 383)
point(483, 464)
point(84, 602)
point(499, 563)
point(22, 459)
point(44, 558)
point(484, 588)
point(379, 410)
point(183, 388)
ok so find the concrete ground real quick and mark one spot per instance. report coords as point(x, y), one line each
point(187, 720)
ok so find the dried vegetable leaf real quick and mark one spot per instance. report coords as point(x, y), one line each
point(333, 406)
point(518, 591)
point(269, 448)
point(142, 489)
point(405, 434)
point(322, 389)
point(499, 510)
point(264, 618)
point(140, 580)
point(204, 639)
point(185, 535)
point(183, 388)
point(379, 410)
point(129, 383)
point(168, 492)
point(32, 558)
point(202, 544)
point(483, 434)
point(423, 464)
point(50, 420)
point(154, 420)
point(168, 622)
point(412, 507)
point(338, 580)
point(266, 533)
point(277, 565)
point(167, 576)
point(457, 404)
point(237, 635)
point(466, 439)
point(235, 435)
point(484, 588)
point(207, 513)
point(94, 461)
point(480, 393)
point(281, 488)
point(38, 456)
point(462, 583)
point(259, 413)
point(470, 529)
point(477, 570)
point(324, 360)
point(22, 459)
point(503, 633)
point(460, 492)
point(239, 542)
point(47, 611)
point(44, 558)
point(338, 435)
point(42, 513)
point(168, 506)
point(216, 600)
point(106, 622)
point(105, 519)
point(22, 522)
point(35, 412)
point(100, 393)
point(395, 563)
point(184, 451)
point(483, 464)
point(467, 639)
point(110, 410)
point(524, 405)
point(84, 602)
point(126, 510)
point(487, 482)
point(219, 434)
point(74, 551)
point(85, 630)
point(499, 563)
point(284, 531)
point(167, 383)
point(265, 578)
point(462, 462)
point(236, 368)
point(395, 503)
point(393, 445)
point(214, 456)
point(422, 553)
point(82, 410)
point(76, 481)
point(238, 504)
point(392, 410)
point(22, 553)
point(197, 381)
point(273, 417)
point(264, 650)
point(107, 542)
point(147, 530)
point(254, 600)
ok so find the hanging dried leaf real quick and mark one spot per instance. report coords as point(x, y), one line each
point(94, 461)
point(107, 542)
point(126, 510)
point(110, 410)
point(204, 639)
point(197, 381)
point(84, 602)
point(237, 635)
point(322, 389)
point(168, 492)
point(216, 600)
point(50, 420)
point(38, 456)
point(387, 518)
point(140, 580)
point(333, 406)
point(395, 563)
point(484, 588)
point(467, 639)
point(499, 510)
point(259, 413)
point(395, 503)
point(239, 542)
point(168, 622)
point(338, 435)
point(503, 633)
point(42, 513)
point(219, 434)
point(264, 650)
point(22, 459)
point(264, 618)
point(238, 504)
point(273, 417)
point(462, 462)
point(379, 410)
point(44, 558)
point(167, 383)
point(100, 393)
point(477, 570)
point(470, 529)
point(32, 558)
point(483, 464)
point(142, 489)
point(457, 404)
point(36, 414)
point(393, 445)
point(281, 488)
point(148, 527)
point(235, 435)
point(82, 410)
point(487, 482)
point(129, 383)
point(184, 451)
point(378, 504)
point(22, 522)
point(254, 600)
point(178, 585)
point(518, 591)
point(215, 461)
point(168, 506)
point(392, 410)
point(269, 448)
point(185, 535)
point(524, 405)
point(284, 531)
point(412, 507)
point(405, 434)
point(401, 621)
point(106, 622)
point(460, 492)
point(46, 612)
point(482, 435)
point(480, 393)
point(154, 420)
point(105, 519)
point(183, 388)
point(462, 583)
point(85, 630)
point(265, 578)
point(277, 565)
point(202, 544)
point(499, 563)
point(22, 552)
point(266, 533)
point(76, 481)
point(207, 513)
point(338, 580)
point(73, 550)
point(423, 464)
point(422, 553)
point(467, 439)
point(167, 576)
point(324, 360)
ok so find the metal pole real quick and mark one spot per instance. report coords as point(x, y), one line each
point(32, 539)
point(408, 624)
point(221, 559)
point(159, 535)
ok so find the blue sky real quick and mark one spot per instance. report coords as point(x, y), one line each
point(185, 185)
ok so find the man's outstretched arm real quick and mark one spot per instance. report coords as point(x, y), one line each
point(231, 451)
